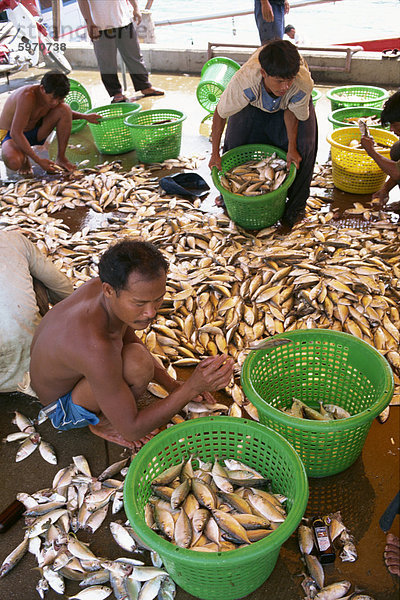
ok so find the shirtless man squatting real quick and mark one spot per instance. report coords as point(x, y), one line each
point(29, 115)
point(88, 367)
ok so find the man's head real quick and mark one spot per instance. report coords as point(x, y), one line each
point(391, 113)
point(133, 274)
point(55, 84)
point(290, 31)
point(280, 63)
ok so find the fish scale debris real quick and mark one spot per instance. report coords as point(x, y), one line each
point(51, 535)
point(245, 286)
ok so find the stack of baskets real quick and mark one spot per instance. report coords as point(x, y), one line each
point(156, 134)
point(79, 100)
point(218, 575)
point(215, 76)
point(255, 212)
point(320, 366)
point(352, 169)
point(357, 95)
point(111, 135)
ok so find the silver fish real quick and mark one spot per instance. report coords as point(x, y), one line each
point(14, 557)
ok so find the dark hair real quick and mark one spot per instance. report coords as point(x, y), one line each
point(121, 258)
point(288, 28)
point(391, 109)
point(55, 83)
point(280, 58)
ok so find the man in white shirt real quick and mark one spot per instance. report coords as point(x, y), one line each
point(22, 266)
point(268, 101)
point(111, 27)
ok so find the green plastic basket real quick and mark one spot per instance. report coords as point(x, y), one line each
point(253, 212)
point(320, 365)
point(215, 76)
point(315, 95)
point(337, 118)
point(111, 135)
point(218, 575)
point(79, 100)
point(155, 141)
point(357, 95)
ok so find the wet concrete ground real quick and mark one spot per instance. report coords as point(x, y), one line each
point(361, 493)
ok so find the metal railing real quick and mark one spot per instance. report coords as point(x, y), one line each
point(239, 13)
point(348, 51)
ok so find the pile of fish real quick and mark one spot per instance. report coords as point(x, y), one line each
point(254, 178)
point(78, 501)
point(370, 121)
point(327, 412)
point(356, 144)
point(213, 508)
point(337, 530)
point(227, 287)
point(314, 584)
point(29, 440)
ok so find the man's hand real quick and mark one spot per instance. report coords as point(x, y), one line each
point(212, 374)
point(382, 195)
point(206, 397)
point(287, 7)
point(93, 31)
point(49, 165)
point(267, 12)
point(293, 157)
point(367, 143)
point(92, 118)
point(215, 161)
point(64, 163)
point(137, 15)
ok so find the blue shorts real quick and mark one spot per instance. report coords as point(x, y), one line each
point(64, 414)
point(30, 135)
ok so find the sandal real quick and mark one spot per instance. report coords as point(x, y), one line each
point(391, 53)
point(120, 97)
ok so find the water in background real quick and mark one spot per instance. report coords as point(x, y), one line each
point(318, 25)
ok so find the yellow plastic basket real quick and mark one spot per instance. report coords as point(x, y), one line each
point(352, 169)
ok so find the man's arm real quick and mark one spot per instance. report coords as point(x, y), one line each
point(87, 15)
point(267, 12)
point(90, 118)
point(137, 15)
point(117, 403)
point(390, 167)
point(42, 268)
point(292, 125)
point(218, 125)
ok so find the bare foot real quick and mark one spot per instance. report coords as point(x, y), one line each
point(105, 430)
point(65, 164)
point(392, 554)
point(26, 168)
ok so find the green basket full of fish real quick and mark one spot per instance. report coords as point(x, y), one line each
point(253, 182)
point(357, 95)
point(225, 451)
point(157, 134)
point(344, 382)
point(111, 135)
point(349, 117)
